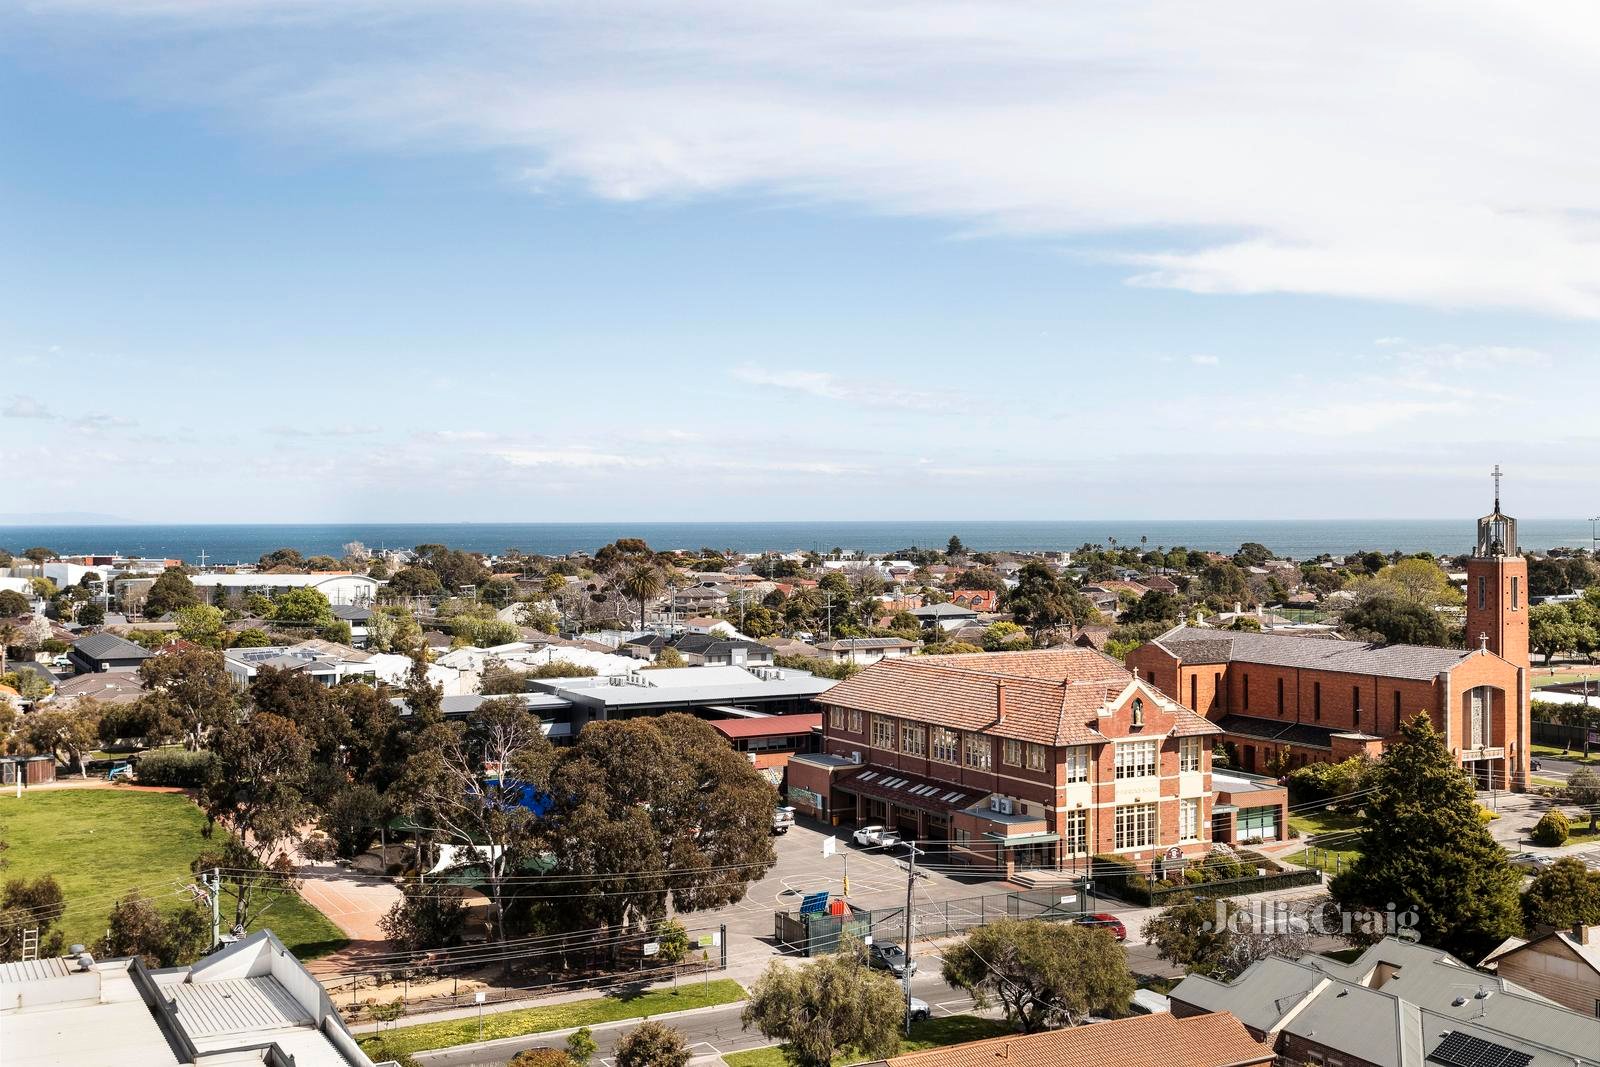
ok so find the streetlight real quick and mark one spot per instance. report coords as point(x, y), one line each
point(1594, 537)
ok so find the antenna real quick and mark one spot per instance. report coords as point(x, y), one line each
point(1496, 475)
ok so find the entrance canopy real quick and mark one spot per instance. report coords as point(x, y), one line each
point(911, 791)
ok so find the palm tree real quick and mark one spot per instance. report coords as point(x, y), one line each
point(643, 582)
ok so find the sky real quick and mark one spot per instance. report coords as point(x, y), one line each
point(530, 260)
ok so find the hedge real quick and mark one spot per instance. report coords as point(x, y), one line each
point(174, 766)
point(1121, 878)
point(1551, 830)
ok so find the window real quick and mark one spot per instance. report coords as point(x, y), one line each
point(836, 718)
point(1037, 757)
point(1216, 689)
point(1075, 832)
point(1246, 692)
point(1188, 753)
point(1397, 711)
point(1516, 593)
point(963, 838)
point(1256, 824)
point(1075, 762)
point(1355, 704)
point(1280, 696)
point(976, 751)
point(883, 732)
point(1483, 592)
point(1189, 819)
point(1480, 708)
point(1316, 700)
point(912, 740)
point(1194, 692)
point(945, 741)
point(1135, 826)
point(1011, 752)
point(855, 721)
point(1136, 759)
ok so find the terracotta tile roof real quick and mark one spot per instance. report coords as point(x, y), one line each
point(768, 725)
point(1214, 1040)
point(1053, 696)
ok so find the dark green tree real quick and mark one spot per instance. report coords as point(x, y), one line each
point(1042, 974)
point(652, 1044)
point(12, 603)
point(826, 1006)
point(1397, 621)
point(1042, 601)
point(1425, 849)
point(170, 592)
point(136, 927)
point(1563, 895)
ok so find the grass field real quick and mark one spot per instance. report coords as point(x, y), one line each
point(588, 1012)
point(930, 1033)
point(100, 843)
point(1339, 853)
point(1554, 752)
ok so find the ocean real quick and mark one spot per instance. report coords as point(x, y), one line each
point(1297, 538)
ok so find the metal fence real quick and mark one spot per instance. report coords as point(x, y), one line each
point(819, 933)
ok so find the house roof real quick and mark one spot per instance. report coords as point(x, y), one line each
point(943, 611)
point(1301, 734)
point(912, 790)
point(1160, 1040)
point(1053, 696)
point(1418, 662)
point(109, 646)
point(113, 686)
point(845, 644)
point(768, 726)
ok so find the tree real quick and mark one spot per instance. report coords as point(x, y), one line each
point(136, 927)
point(31, 905)
point(91, 614)
point(1551, 830)
point(351, 817)
point(12, 603)
point(1155, 606)
point(643, 582)
point(1186, 933)
point(828, 1005)
point(1042, 974)
point(668, 658)
point(1042, 601)
point(540, 1057)
point(1563, 895)
point(189, 692)
point(426, 916)
point(172, 590)
point(415, 581)
point(581, 1047)
point(201, 624)
point(1397, 621)
point(282, 559)
point(652, 1044)
point(1005, 637)
point(65, 733)
point(302, 605)
point(1426, 849)
point(1583, 789)
point(256, 790)
point(672, 942)
point(1552, 629)
point(393, 629)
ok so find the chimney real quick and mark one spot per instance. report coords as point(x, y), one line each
point(1583, 934)
point(1000, 701)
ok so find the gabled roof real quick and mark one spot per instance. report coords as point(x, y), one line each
point(109, 646)
point(1053, 697)
point(1418, 662)
point(1160, 1040)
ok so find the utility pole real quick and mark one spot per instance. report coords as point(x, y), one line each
point(1594, 536)
point(214, 884)
point(911, 885)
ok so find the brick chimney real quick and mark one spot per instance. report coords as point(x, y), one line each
point(1584, 935)
point(1000, 701)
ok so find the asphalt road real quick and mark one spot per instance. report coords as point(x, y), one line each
point(709, 1032)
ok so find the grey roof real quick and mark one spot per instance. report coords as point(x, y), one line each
point(1301, 734)
point(32, 667)
point(942, 611)
point(1401, 1021)
point(844, 644)
point(350, 612)
point(1419, 662)
point(109, 646)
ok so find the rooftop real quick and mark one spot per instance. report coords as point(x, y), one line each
point(1419, 662)
point(1161, 1040)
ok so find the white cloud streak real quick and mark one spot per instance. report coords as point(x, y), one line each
point(824, 385)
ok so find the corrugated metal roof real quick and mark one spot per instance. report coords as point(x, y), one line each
point(236, 1006)
point(33, 970)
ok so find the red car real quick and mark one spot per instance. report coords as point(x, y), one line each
point(1105, 920)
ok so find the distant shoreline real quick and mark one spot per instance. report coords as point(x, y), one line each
point(1296, 538)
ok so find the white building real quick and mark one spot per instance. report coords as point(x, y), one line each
point(250, 1003)
point(338, 588)
point(326, 661)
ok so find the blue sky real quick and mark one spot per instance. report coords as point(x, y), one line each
point(522, 260)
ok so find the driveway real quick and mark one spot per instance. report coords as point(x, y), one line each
point(354, 902)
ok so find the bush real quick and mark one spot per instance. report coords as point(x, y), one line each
point(541, 1057)
point(174, 766)
point(1121, 878)
point(1319, 781)
point(1551, 830)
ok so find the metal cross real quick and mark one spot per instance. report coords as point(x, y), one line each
point(1496, 473)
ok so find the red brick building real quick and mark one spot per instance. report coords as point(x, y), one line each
point(1285, 700)
point(1013, 760)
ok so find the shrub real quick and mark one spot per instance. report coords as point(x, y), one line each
point(1551, 830)
point(541, 1057)
point(1121, 878)
point(174, 766)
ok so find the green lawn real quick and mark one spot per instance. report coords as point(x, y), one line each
point(1554, 752)
point(1339, 853)
point(930, 1033)
point(588, 1012)
point(100, 843)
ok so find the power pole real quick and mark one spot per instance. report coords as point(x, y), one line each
point(911, 885)
point(214, 884)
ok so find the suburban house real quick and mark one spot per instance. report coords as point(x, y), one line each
point(1284, 701)
point(106, 652)
point(340, 587)
point(699, 649)
point(700, 600)
point(1014, 760)
point(1399, 1004)
point(1563, 965)
point(866, 650)
point(358, 616)
point(107, 687)
point(981, 600)
point(327, 662)
point(250, 1002)
point(1159, 1040)
point(945, 616)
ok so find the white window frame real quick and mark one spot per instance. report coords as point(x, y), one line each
point(945, 745)
point(1038, 758)
point(977, 751)
point(1138, 759)
point(884, 730)
point(1189, 819)
point(1135, 826)
point(913, 739)
point(1075, 832)
point(1189, 753)
point(1011, 752)
point(1075, 764)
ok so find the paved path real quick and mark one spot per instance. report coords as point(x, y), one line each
point(354, 903)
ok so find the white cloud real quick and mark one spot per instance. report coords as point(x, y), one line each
point(1205, 361)
point(1366, 149)
point(25, 407)
point(316, 430)
point(581, 458)
point(827, 386)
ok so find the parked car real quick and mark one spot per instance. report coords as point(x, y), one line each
point(920, 1010)
point(888, 956)
point(1532, 861)
point(782, 819)
point(867, 835)
point(1105, 920)
point(889, 840)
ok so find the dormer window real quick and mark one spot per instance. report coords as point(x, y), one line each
point(1138, 712)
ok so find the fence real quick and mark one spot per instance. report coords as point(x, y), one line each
point(1558, 734)
point(816, 934)
point(1238, 887)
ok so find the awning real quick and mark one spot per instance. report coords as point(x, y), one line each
point(910, 790)
point(1038, 837)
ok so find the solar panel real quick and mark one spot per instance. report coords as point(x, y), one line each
point(1465, 1050)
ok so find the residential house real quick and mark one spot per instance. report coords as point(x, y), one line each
point(358, 616)
point(326, 661)
point(1563, 965)
point(1014, 760)
point(979, 600)
point(340, 587)
point(250, 1002)
point(866, 650)
point(106, 652)
point(107, 687)
point(1160, 1040)
point(1399, 1004)
point(700, 600)
point(701, 649)
point(945, 617)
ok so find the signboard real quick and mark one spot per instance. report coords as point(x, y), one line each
point(830, 845)
point(1594, 737)
point(711, 940)
point(652, 947)
point(479, 998)
point(1174, 853)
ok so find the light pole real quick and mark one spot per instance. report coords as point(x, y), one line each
point(1594, 536)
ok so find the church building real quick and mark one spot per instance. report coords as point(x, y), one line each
point(1284, 701)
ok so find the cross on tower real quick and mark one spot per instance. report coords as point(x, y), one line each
point(1496, 474)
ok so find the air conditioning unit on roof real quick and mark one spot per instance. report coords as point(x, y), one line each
point(1005, 806)
point(855, 757)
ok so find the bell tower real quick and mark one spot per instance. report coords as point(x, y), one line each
point(1497, 588)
